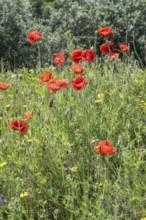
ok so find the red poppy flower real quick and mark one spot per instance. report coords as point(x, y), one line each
point(76, 55)
point(21, 126)
point(34, 36)
point(28, 116)
point(123, 47)
point(115, 56)
point(4, 86)
point(77, 69)
point(107, 48)
point(105, 32)
point(105, 147)
point(59, 58)
point(56, 84)
point(45, 77)
point(79, 82)
point(88, 55)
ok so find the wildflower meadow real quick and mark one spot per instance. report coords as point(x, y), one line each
point(73, 135)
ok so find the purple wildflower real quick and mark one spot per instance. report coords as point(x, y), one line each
point(103, 204)
point(141, 171)
point(3, 199)
point(66, 166)
point(143, 120)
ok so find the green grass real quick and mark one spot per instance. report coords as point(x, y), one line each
point(65, 127)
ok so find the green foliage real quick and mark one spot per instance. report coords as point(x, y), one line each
point(128, 21)
point(75, 17)
point(38, 5)
point(83, 18)
point(15, 18)
point(68, 24)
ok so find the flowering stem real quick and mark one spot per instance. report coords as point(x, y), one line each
point(95, 42)
point(39, 58)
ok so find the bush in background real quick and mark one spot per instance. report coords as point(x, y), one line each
point(128, 21)
point(68, 24)
point(16, 20)
point(15, 17)
point(82, 18)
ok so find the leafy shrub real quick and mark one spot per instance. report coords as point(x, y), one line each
point(68, 24)
point(17, 20)
point(14, 21)
point(74, 18)
point(83, 18)
point(128, 21)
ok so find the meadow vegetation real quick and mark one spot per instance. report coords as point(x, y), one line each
point(55, 163)
point(72, 130)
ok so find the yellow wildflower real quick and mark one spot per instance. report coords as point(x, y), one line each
point(100, 98)
point(24, 194)
point(3, 164)
point(142, 104)
point(143, 218)
point(29, 140)
point(8, 106)
point(74, 169)
point(101, 184)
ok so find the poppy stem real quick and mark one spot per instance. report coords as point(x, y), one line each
point(39, 58)
point(95, 44)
